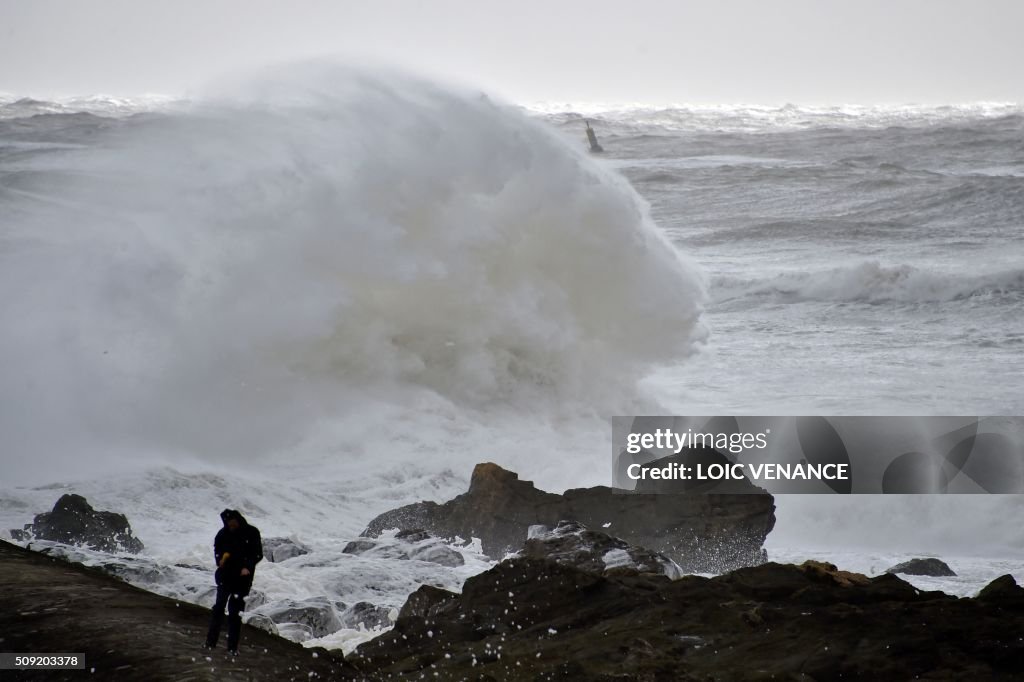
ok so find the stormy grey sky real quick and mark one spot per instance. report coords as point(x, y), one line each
point(803, 51)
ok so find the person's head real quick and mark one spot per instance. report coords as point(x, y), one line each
point(231, 519)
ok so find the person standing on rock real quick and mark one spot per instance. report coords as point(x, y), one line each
point(236, 549)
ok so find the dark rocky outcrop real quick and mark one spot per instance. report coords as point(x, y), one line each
point(534, 619)
point(277, 550)
point(701, 532)
point(128, 634)
point(73, 521)
point(1003, 591)
point(933, 567)
point(425, 602)
point(572, 543)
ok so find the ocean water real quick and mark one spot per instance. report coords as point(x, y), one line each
point(326, 292)
point(860, 260)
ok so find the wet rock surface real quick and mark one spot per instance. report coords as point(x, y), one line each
point(700, 532)
point(73, 521)
point(932, 567)
point(315, 617)
point(126, 633)
point(277, 550)
point(366, 615)
point(262, 622)
point(588, 550)
point(535, 619)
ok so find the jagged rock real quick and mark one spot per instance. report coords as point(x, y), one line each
point(366, 614)
point(73, 521)
point(827, 571)
point(408, 544)
point(933, 567)
point(572, 543)
point(258, 620)
point(277, 550)
point(317, 616)
point(1004, 590)
point(525, 618)
point(700, 532)
point(425, 601)
point(771, 581)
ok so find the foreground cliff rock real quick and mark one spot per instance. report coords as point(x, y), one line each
point(702, 533)
point(536, 619)
point(49, 605)
point(73, 521)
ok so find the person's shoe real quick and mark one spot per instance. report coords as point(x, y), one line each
point(232, 652)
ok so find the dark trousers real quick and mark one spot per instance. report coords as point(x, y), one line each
point(233, 597)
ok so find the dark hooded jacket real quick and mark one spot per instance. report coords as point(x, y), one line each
point(244, 548)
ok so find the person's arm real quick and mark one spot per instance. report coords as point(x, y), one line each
point(220, 553)
point(255, 549)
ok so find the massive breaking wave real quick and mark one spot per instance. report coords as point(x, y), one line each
point(227, 274)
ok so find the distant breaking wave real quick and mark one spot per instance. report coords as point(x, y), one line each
point(871, 282)
point(12, 106)
point(753, 117)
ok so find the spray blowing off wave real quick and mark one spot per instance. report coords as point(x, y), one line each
point(235, 271)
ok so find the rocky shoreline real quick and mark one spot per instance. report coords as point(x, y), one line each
point(593, 584)
point(538, 618)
